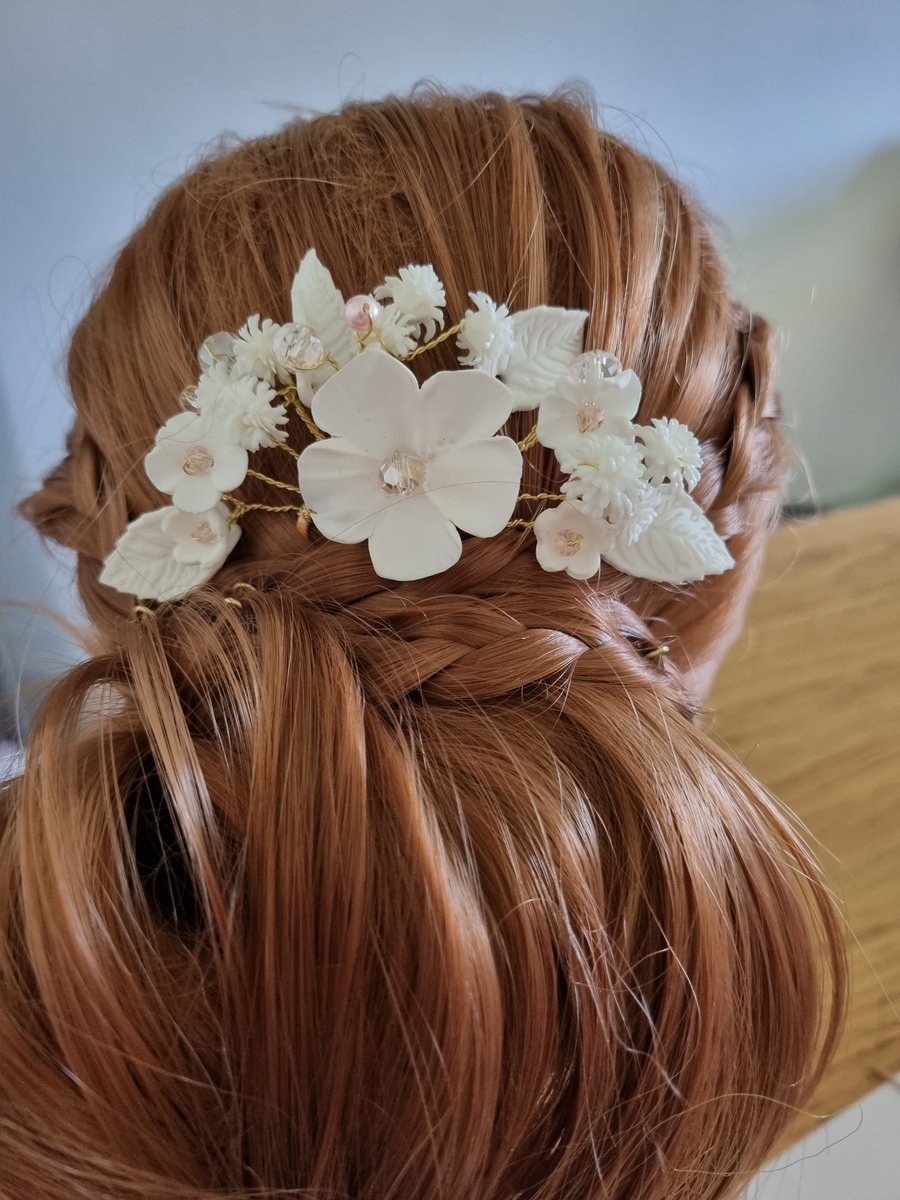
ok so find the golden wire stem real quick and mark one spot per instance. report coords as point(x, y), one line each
point(442, 337)
point(287, 487)
point(288, 449)
point(520, 523)
point(529, 440)
point(304, 414)
point(240, 508)
point(541, 496)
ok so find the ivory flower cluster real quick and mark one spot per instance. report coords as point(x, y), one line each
point(408, 468)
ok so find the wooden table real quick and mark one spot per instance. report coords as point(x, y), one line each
point(809, 699)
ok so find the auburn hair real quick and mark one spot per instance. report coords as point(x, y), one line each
point(436, 890)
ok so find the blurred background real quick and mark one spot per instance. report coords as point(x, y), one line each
point(782, 116)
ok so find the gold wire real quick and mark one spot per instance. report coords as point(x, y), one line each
point(288, 449)
point(541, 496)
point(529, 440)
point(287, 487)
point(303, 413)
point(519, 523)
point(442, 337)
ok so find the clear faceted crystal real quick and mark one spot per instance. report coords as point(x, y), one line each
point(402, 473)
point(188, 399)
point(299, 348)
point(218, 347)
point(594, 366)
point(198, 461)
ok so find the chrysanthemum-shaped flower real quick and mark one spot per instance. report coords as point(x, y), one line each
point(570, 540)
point(607, 473)
point(418, 295)
point(630, 525)
point(255, 353)
point(195, 460)
point(166, 553)
point(210, 385)
point(576, 408)
point(671, 452)
point(247, 414)
point(392, 332)
point(487, 335)
point(405, 468)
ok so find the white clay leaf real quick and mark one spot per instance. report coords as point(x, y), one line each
point(318, 303)
point(142, 562)
point(548, 340)
point(679, 546)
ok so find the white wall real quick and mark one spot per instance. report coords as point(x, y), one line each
point(761, 108)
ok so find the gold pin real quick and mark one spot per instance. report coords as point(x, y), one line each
point(658, 652)
point(141, 610)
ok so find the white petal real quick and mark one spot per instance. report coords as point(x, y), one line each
point(553, 524)
point(319, 304)
point(679, 546)
point(142, 562)
point(196, 493)
point(343, 488)
point(463, 406)
point(548, 340)
point(374, 402)
point(476, 486)
point(183, 528)
point(413, 540)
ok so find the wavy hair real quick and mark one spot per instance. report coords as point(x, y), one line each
point(425, 891)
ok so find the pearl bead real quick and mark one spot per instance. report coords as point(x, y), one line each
point(362, 312)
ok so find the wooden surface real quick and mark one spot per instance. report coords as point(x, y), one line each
point(809, 699)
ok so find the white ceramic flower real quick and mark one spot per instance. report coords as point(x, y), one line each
point(570, 540)
point(166, 553)
point(406, 468)
point(606, 473)
point(418, 295)
point(486, 336)
point(247, 415)
point(579, 407)
point(195, 460)
point(255, 353)
point(671, 452)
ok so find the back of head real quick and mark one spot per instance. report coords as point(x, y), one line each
point(426, 890)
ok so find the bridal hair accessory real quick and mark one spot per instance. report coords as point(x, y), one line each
point(404, 467)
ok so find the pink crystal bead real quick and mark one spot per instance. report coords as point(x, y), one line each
point(361, 312)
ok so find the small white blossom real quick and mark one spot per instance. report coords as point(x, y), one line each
point(607, 474)
point(247, 415)
point(254, 351)
point(210, 385)
point(418, 295)
point(405, 467)
point(671, 452)
point(487, 335)
point(195, 461)
point(580, 407)
point(570, 540)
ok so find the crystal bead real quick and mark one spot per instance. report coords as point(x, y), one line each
point(198, 461)
point(594, 366)
point(402, 473)
point(567, 543)
point(298, 348)
point(204, 534)
point(218, 347)
point(188, 399)
point(589, 417)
